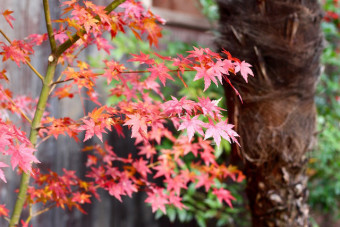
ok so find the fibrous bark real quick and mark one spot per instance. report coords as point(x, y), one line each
point(282, 40)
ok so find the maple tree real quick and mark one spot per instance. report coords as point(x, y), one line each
point(145, 114)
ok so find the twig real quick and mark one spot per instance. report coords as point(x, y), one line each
point(68, 43)
point(26, 61)
point(21, 112)
point(49, 26)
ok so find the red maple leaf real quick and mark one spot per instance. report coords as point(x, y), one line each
point(175, 200)
point(36, 39)
point(160, 71)
point(8, 17)
point(157, 199)
point(224, 195)
point(18, 51)
point(138, 125)
point(153, 29)
point(3, 210)
point(196, 53)
point(92, 129)
point(81, 197)
point(64, 92)
point(208, 156)
point(142, 167)
point(142, 58)
point(204, 179)
point(147, 150)
point(112, 71)
point(176, 183)
point(22, 156)
point(176, 106)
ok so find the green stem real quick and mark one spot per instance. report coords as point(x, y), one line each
point(49, 26)
point(47, 81)
point(33, 138)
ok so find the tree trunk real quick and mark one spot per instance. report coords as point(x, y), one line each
point(282, 40)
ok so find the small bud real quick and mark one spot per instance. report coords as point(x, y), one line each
point(50, 58)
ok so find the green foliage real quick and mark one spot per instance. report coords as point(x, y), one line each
point(324, 165)
point(207, 211)
point(210, 9)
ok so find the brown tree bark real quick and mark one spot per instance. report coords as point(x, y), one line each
point(276, 121)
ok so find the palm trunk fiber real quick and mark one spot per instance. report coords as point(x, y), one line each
point(282, 40)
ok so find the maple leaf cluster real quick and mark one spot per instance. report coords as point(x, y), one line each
point(142, 108)
point(14, 143)
point(64, 190)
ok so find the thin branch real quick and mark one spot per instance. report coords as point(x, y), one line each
point(35, 71)
point(21, 112)
point(43, 210)
point(68, 43)
point(60, 82)
point(49, 26)
point(43, 140)
point(137, 71)
point(26, 61)
point(41, 106)
point(32, 215)
point(6, 37)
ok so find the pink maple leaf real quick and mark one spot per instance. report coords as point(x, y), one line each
point(192, 125)
point(148, 151)
point(8, 17)
point(210, 107)
point(165, 167)
point(103, 44)
point(138, 124)
point(142, 167)
point(132, 9)
point(142, 58)
point(176, 200)
point(127, 185)
point(36, 39)
point(208, 156)
point(204, 180)
point(244, 68)
point(2, 175)
point(224, 195)
point(112, 71)
point(196, 53)
point(92, 129)
point(18, 51)
point(157, 199)
point(176, 107)
point(115, 190)
point(22, 156)
point(160, 71)
point(176, 183)
point(207, 74)
point(221, 129)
